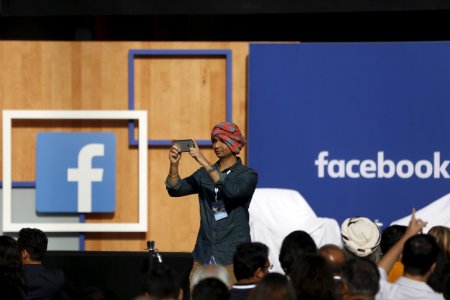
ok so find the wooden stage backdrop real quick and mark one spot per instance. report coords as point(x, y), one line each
point(184, 98)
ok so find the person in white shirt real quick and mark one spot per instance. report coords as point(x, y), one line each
point(419, 253)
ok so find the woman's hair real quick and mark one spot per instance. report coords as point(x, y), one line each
point(442, 236)
point(312, 278)
point(437, 279)
point(11, 262)
point(295, 244)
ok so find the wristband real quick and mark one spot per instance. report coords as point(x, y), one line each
point(210, 170)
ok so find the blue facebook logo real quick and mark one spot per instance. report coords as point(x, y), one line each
point(75, 172)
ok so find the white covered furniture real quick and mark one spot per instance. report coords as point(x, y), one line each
point(435, 213)
point(274, 213)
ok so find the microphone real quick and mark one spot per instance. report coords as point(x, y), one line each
point(154, 251)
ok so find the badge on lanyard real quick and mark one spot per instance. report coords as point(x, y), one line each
point(218, 207)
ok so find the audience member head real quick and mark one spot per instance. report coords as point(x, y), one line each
point(360, 279)
point(162, 284)
point(312, 278)
point(10, 253)
point(390, 236)
point(361, 238)
point(335, 257)
point(295, 244)
point(98, 293)
point(210, 289)
point(211, 271)
point(274, 286)
point(251, 261)
point(11, 272)
point(33, 244)
point(419, 254)
point(442, 237)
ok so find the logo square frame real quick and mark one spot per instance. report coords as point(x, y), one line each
point(136, 115)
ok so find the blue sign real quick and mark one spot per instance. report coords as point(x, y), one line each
point(359, 129)
point(76, 172)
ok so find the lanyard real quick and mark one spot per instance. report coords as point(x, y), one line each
point(216, 189)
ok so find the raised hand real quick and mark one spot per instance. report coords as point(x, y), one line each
point(197, 154)
point(415, 225)
point(174, 155)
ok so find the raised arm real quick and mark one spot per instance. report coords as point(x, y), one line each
point(415, 226)
point(197, 154)
point(174, 158)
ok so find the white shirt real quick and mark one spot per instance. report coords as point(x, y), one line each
point(405, 289)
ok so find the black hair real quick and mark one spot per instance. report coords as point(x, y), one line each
point(361, 276)
point(98, 293)
point(419, 254)
point(294, 245)
point(248, 257)
point(161, 282)
point(273, 286)
point(34, 241)
point(312, 278)
point(11, 268)
point(210, 289)
point(390, 236)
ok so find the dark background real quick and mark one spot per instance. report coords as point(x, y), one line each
point(228, 20)
point(121, 272)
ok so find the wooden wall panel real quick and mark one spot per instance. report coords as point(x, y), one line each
point(184, 97)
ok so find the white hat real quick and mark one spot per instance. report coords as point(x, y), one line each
point(360, 236)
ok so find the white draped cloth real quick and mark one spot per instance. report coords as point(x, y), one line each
point(435, 213)
point(274, 213)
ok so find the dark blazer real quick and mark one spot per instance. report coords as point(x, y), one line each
point(43, 283)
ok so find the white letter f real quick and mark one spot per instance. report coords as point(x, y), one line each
point(84, 175)
point(321, 162)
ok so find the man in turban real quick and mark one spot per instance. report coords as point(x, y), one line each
point(361, 238)
point(224, 189)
